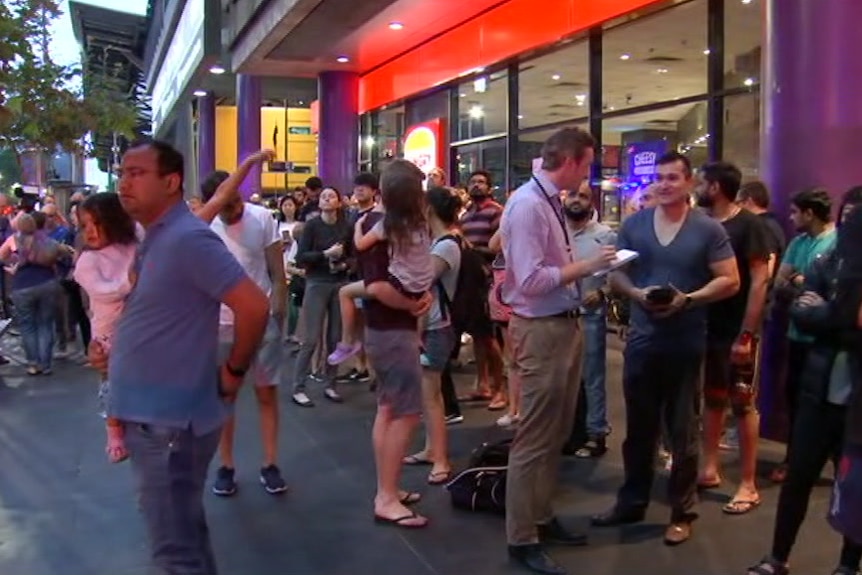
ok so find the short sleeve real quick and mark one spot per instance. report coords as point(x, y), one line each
point(719, 247)
point(757, 245)
point(624, 241)
point(790, 255)
point(448, 251)
point(208, 264)
point(270, 228)
point(377, 231)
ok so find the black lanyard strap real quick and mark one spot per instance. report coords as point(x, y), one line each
point(558, 213)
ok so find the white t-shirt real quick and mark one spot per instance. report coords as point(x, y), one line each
point(290, 252)
point(449, 251)
point(248, 240)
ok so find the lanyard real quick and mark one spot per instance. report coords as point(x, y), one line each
point(558, 213)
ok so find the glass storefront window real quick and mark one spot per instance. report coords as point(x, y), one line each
point(743, 22)
point(656, 58)
point(384, 141)
point(554, 87)
point(489, 156)
point(683, 128)
point(529, 148)
point(741, 144)
point(482, 106)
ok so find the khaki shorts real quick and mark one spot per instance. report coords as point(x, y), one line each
point(266, 367)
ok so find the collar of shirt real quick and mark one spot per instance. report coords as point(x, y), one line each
point(551, 190)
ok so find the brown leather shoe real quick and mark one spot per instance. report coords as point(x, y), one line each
point(677, 533)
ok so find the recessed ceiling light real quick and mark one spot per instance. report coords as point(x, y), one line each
point(217, 70)
point(661, 71)
point(520, 117)
point(555, 77)
point(476, 112)
point(706, 52)
point(200, 93)
point(396, 26)
point(749, 82)
point(463, 95)
point(746, 1)
point(342, 59)
point(625, 57)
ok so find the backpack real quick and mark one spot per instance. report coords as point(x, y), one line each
point(469, 308)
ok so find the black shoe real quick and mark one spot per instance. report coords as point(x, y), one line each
point(553, 533)
point(272, 481)
point(594, 447)
point(224, 485)
point(534, 558)
point(617, 516)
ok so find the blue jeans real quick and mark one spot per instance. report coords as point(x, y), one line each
point(35, 312)
point(595, 355)
point(170, 467)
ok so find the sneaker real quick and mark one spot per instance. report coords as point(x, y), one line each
point(343, 352)
point(594, 447)
point(508, 420)
point(424, 361)
point(454, 419)
point(730, 440)
point(302, 400)
point(332, 395)
point(224, 485)
point(354, 376)
point(272, 481)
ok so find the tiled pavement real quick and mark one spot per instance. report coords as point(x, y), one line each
point(65, 511)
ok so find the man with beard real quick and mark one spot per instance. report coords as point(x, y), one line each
point(811, 215)
point(588, 237)
point(733, 335)
point(251, 234)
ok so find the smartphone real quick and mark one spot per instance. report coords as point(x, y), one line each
point(660, 296)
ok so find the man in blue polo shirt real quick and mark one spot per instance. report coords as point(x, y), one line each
point(166, 387)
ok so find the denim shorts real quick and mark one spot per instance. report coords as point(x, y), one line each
point(438, 345)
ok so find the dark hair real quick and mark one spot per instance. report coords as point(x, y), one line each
point(755, 191)
point(445, 204)
point(211, 184)
point(108, 214)
point(367, 179)
point(280, 214)
point(169, 159)
point(489, 179)
point(673, 157)
point(314, 183)
point(404, 200)
point(816, 200)
point(40, 219)
point(566, 143)
point(852, 197)
point(726, 175)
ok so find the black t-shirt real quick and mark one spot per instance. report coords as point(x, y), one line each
point(374, 264)
point(776, 241)
point(318, 236)
point(749, 239)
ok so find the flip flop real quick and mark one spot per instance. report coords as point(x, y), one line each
point(439, 477)
point(416, 459)
point(399, 521)
point(714, 484)
point(741, 506)
point(410, 497)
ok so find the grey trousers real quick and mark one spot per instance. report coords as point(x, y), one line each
point(547, 354)
point(320, 304)
point(170, 468)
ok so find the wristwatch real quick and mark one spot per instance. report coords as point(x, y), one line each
point(235, 371)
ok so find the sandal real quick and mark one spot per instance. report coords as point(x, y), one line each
point(417, 459)
point(410, 497)
point(768, 566)
point(439, 477)
point(714, 483)
point(498, 405)
point(400, 521)
point(741, 506)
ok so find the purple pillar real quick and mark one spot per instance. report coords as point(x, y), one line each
point(248, 101)
point(338, 141)
point(812, 129)
point(206, 136)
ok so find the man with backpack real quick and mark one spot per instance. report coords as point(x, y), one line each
point(542, 287)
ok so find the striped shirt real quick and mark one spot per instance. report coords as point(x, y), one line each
point(481, 222)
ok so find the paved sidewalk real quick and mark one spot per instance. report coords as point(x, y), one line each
point(65, 511)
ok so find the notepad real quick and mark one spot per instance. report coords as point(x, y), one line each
point(622, 258)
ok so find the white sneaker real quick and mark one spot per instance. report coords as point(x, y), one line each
point(508, 420)
point(302, 400)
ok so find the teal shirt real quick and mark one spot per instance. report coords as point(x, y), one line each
point(801, 253)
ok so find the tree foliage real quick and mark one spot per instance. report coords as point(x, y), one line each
point(44, 104)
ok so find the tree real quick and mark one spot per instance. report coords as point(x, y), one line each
point(46, 105)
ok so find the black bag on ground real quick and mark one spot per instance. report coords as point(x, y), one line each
point(491, 454)
point(479, 489)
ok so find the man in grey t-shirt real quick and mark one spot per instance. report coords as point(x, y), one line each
point(685, 262)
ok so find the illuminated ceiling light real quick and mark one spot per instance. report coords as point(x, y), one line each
point(520, 117)
point(476, 112)
point(342, 59)
point(555, 77)
point(200, 93)
point(217, 70)
point(749, 82)
point(480, 85)
point(369, 142)
point(463, 95)
point(625, 57)
point(661, 71)
point(396, 26)
point(706, 52)
point(746, 1)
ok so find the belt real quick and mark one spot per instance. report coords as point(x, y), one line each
point(570, 314)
